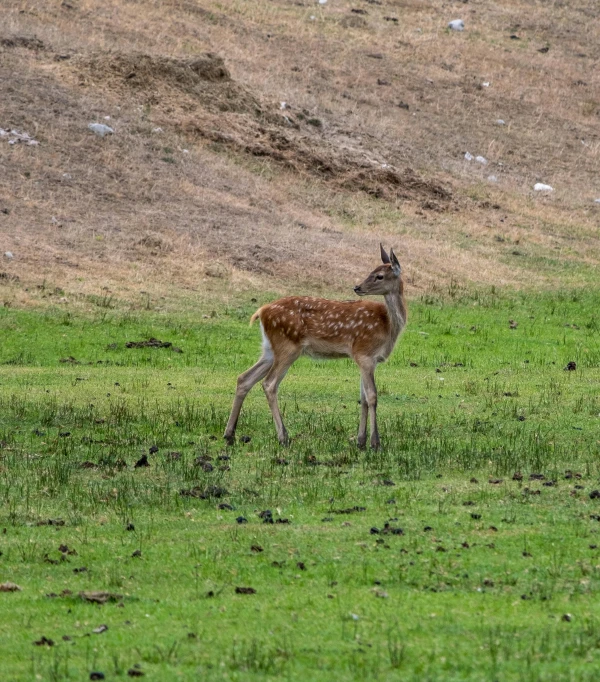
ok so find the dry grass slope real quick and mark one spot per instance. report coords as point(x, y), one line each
point(209, 185)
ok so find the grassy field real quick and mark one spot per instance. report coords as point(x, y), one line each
point(466, 549)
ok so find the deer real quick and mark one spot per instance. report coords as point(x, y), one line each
point(365, 331)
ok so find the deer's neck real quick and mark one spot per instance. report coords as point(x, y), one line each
point(397, 312)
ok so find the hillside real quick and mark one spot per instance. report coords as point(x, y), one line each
point(271, 145)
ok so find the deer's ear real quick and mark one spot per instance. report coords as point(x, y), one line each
point(396, 268)
point(384, 257)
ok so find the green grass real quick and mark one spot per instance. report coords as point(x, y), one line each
point(482, 595)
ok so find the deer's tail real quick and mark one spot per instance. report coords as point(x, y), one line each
point(256, 315)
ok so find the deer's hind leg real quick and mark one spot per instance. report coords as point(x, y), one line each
point(285, 357)
point(245, 383)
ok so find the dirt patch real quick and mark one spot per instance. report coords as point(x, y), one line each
point(226, 112)
point(205, 79)
point(26, 42)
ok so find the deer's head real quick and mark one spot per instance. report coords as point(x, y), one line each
point(384, 279)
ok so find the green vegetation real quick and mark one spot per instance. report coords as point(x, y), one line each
point(494, 576)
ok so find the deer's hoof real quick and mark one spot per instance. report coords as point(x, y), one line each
point(375, 445)
point(229, 439)
point(361, 443)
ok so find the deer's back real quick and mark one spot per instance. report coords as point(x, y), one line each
point(326, 328)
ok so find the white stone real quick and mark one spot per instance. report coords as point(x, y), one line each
point(500, 122)
point(541, 187)
point(8, 254)
point(100, 129)
point(283, 105)
point(597, 201)
point(486, 84)
point(157, 130)
point(457, 25)
point(492, 178)
point(482, 160)
point(468, 157)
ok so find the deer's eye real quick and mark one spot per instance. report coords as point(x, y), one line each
point(379, 277)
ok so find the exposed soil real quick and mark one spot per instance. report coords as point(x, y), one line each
point(266, 150)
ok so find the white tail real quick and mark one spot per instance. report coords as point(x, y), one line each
point(365, 331)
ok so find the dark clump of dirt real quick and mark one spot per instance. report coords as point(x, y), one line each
point(349, 510)
point(51, 522)
point(142, 462)
point(150, 343)
point(213, 491)
point(266, 516)
point(44, 641)
point(245, 590)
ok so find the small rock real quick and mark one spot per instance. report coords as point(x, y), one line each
point(500, 122)
point(541, 187)
point(100, 129)
point(482, 160)
point(492, 178)
point(8, 255)
point(567, 617)
point(468, 156)
point(597, 201)
point(456, 25)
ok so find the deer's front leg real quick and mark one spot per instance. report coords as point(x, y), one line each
point(283, 362)
point(361, 440)
point(367, 374)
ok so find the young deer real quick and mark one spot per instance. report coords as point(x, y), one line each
point(365, 331)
